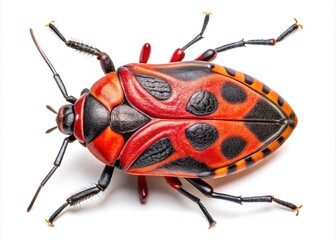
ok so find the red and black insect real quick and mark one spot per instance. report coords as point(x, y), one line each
point(191, 120)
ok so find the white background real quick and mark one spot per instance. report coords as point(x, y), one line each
point(301, 69)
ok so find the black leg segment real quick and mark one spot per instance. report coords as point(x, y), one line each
point(179, 53)
point(211, 54)
point(176, 184)
point(200, 35)
point(207, 190)
point(105, 61)
point(196, 200)
point(102, 184)
point(266, 42)
point(57, 163)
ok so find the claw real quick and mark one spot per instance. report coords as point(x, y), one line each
point(298, 24)
point(47, 25)
point(297, 210)
point(212, 224)
point(50, 224)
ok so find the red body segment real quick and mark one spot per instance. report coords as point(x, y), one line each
point(79, 115)
point(204, 120)
point(108, 90)
point(107, 146)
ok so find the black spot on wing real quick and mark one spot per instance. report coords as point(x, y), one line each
point(265, 89)
point(233, 146)
point(232, 169)
point(292, 120)
point(157, 87)
point(97, 118)
point(202, 103)
point(263, 110)
point(233, 94)
point(248, 79)
point(190, 165)
point(281, 140)
point(263, 131)
point(249, 162)
point(281, 101)
point(201, 135)
point(188, 72)
point(230, 71)
point(157, 152)
point(266, 152)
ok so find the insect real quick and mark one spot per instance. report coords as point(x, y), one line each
point(192, 120)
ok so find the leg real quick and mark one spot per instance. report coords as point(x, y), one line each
point(145, 53)
point(142, 189)
point(207, 190)
point(102, 184)
point(211, 54)
point(57, 163)
point(105, 61)
point(177, 185)
point(179, 54)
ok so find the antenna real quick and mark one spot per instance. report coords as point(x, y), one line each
point(56, 76)
point(50, 130)
point(51, 109)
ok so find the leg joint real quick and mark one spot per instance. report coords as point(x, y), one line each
point(202, 186)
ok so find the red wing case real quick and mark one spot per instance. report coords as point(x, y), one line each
point(189, 102)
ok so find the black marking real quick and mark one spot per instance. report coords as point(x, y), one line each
point(96, 118)
point(117, 164)
point(85, 90)
point(270, 41)
point(288, 31)
point(202, 103)
point(233, 146)
point(266, 152)
point(281, 101)
point(249, 162)
point(126, 119)
point(230, 71)
point(201, 135)
point(263, 131)
point(157, 87)
point(281, 140)
point(188, 72)
point(232, 169)
point(266, 89)
point(229, 46)
point(207, 55)
point(248, 79)
point(265, 111)
point(292, 121)
point(232, 93)
point(157, 152)
point(190, 165)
